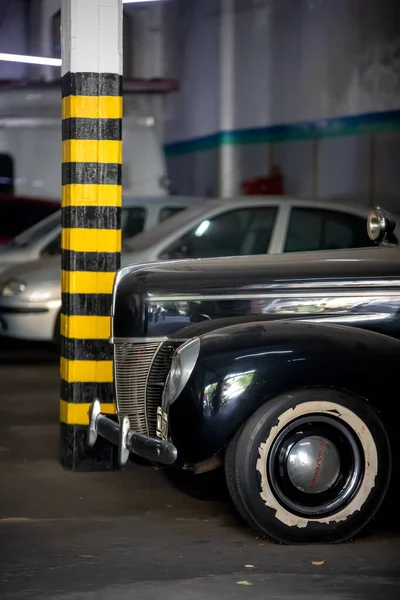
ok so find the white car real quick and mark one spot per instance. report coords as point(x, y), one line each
point(30, 296)
point(138, 214)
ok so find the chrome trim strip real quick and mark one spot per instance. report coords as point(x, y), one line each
point(337, 284)
point(160, 345)
point(277, 294)
point(114, 368)
point(136, 340)
point(143, 340)
point(337, 319)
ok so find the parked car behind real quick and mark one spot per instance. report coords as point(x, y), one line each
point(44, 239)
point(299, 407)
point(30, 296)
point(18, 213)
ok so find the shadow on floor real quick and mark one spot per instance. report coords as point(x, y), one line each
point(43, 382)
point(19, 352)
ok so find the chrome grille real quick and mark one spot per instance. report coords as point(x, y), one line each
point(155, 383)
point(132, 363)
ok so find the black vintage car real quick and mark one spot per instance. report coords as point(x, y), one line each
point(283, 369)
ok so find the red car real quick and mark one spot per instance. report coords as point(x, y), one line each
point(18, 213)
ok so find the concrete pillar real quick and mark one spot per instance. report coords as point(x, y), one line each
point(227, 162)
point(148, 51)
point(48, 8)
point(91, 218)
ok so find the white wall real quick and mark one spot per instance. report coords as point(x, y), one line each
point(13, 36)
point(319, 59)
point(194, 39)
point(47, 9)
point(297, 61)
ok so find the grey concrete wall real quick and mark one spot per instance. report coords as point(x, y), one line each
point(13, 36)
point(297, 62)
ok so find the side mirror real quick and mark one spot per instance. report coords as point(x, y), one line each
point(381, 226)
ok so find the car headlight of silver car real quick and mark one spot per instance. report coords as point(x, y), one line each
point(182, 366)
point(12, 288)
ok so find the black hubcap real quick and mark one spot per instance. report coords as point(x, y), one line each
point(315, 466)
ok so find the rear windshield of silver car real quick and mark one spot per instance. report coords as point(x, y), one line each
point(36, 232)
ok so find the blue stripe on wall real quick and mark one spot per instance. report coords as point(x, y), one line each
point(353, 125)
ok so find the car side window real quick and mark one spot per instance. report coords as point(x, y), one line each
point(169, 211)
point(233, 233)
point(321, 229)
point(10, 223)
point(6, 174)
point(133, 220)
point(17, 215)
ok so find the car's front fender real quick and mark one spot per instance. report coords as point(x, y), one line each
point(242, 366)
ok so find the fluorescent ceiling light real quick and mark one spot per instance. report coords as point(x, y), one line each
point(202, 228)
point(31, 60)
point(51, 62)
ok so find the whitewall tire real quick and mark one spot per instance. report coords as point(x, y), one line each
point(310, 466)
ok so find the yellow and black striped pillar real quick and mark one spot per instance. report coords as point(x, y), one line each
point(91, 220)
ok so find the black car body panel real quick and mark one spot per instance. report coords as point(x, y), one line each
point(238, 286)
point(280, 368)
point(242, 367)
point(286, 321)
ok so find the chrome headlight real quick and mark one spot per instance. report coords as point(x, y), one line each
point(375, 224)
point(12, 288)
point(182, 366)
point(380, 224)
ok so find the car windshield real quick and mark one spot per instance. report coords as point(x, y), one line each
point(147, 239)
point(31, 235)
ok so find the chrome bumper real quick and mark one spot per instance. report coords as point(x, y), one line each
point(127, 440)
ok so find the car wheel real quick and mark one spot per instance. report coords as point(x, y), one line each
point(310, 466)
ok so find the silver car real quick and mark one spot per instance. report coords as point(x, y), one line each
point(30, 295)
point(138, 214)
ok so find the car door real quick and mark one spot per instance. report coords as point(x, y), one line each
point(236, 232)
point(311, 228)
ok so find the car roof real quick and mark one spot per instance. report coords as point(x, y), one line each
point(161, 200)
point(148, 238)
point(127, 201)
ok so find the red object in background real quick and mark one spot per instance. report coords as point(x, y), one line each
point(271, 185)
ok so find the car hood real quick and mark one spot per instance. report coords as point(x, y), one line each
point(251, 272)
point(235, 286)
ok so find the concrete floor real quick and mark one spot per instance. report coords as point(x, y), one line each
point(132, 534)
